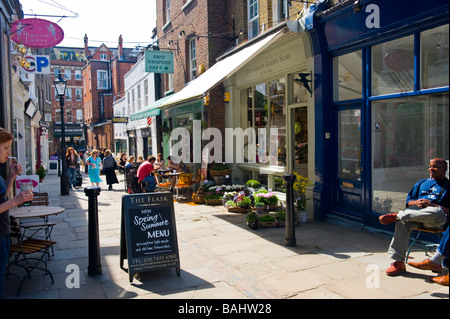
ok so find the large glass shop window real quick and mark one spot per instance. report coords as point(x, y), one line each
point(393, 66)
point(266, 109)
point(406, 134)
point(434, 57)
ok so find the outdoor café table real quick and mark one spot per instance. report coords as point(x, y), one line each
point(43, 212)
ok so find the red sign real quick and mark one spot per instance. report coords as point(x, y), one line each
point(149, 120)
point(36, 33)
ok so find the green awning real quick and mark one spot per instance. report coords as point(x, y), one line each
point(148, 111)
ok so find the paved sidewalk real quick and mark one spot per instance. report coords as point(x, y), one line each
point(221, 258)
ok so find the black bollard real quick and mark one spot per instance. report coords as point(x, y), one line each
point(94, 267)
point(289, 228)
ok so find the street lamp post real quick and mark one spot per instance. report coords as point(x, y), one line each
point(60, 86)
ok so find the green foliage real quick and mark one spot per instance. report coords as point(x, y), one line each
point(267, 218)
point(253, 184)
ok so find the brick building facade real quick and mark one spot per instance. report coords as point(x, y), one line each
point(103, 84)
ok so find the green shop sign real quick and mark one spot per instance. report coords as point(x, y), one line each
point(144, 114)
point(184, 108)
point(158, 61)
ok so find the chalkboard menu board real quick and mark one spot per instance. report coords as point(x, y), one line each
point(148, 233)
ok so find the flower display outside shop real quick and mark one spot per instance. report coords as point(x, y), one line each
point(300, 185)
point(301, 150)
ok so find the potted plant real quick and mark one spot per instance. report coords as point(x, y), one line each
point(242, 204)
point(252, 219)
point(268, 221)
point(259, 207)
point(213, 199)
point(270, 200)
point(253, 184)
point(220, 170)
point(41, 172)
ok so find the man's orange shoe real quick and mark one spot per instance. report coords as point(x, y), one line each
point(388, 218)
point(442, 280)
point(397, 267)
point(426, 265)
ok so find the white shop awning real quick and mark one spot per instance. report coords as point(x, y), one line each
point(222, 70)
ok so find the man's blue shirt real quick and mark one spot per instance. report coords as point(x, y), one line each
point(430, 189)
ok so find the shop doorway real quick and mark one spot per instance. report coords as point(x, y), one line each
point(348, 198)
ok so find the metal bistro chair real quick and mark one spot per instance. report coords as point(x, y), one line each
point(34, 226)
point(20, 250)
point(427, 247)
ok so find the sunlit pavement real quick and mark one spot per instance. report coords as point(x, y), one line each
point(221, 258)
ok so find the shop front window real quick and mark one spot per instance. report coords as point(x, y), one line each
point(266, 109)
point(406, 134)
point(347, 71)
point(434, 57)
point(393, 66)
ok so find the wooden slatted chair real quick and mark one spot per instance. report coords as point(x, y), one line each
point(21, 249)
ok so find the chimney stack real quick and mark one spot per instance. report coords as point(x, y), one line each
point(121, 57)
point(87, 53)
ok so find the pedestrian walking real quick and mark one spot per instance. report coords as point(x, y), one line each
point(95, 164)
point(109, 167)
point(72, 162)
point(15, 169)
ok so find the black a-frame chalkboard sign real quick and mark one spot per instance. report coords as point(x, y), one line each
point(148, 236)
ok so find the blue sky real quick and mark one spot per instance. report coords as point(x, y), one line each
point(102, 20)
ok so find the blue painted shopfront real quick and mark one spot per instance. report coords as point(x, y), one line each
point(381, 103)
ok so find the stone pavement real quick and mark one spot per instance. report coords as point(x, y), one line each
point(221, 258)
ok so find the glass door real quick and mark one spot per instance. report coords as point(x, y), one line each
point(348, 198)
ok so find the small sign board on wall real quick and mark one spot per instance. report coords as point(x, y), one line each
point(159, 61)
point(148, 238)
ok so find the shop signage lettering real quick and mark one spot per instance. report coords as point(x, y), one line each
point(148, 233)
point(36, 33)
point(159, 61)
point(266, 66)
point(120, 119)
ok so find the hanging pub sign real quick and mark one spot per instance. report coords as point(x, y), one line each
point(36, 33)
point(158, 61)
point(148, 238)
